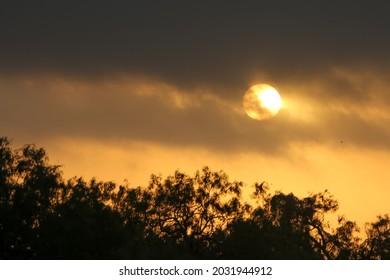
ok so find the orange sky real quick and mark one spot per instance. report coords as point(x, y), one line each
point(121, 91)
point(351, 169)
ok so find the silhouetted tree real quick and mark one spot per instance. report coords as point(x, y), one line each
point(377, 244)
point(277, 229)
point(42, 216)
point(133, 205)
point(342, 243)
point(29, 191)
point(286, 227)
point(191, 211)
point(303, 220)
point(84, 226)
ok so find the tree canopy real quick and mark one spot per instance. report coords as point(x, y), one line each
point(44, 216)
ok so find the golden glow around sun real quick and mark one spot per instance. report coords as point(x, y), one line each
point(261, 102)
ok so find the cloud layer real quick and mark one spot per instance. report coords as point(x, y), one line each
point(124, 109)
point(174, 73)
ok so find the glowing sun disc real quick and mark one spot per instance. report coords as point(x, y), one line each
point(261, 102)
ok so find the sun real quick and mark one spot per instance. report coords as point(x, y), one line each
point(262, 102)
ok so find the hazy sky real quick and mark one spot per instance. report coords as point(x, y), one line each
point(123, 89)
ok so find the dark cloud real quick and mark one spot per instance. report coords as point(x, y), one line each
point(108, 113)
point(330, 55)
point(47, 109)
point(197, 44)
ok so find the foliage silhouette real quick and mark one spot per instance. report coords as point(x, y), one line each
point(377, 244)
point(190, 211)
point(44, 216)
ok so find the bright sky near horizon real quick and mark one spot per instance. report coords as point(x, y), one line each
point(123, 90)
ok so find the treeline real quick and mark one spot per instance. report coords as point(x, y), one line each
point(44, 216)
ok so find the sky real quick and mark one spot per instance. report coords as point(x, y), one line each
point(119, 90)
